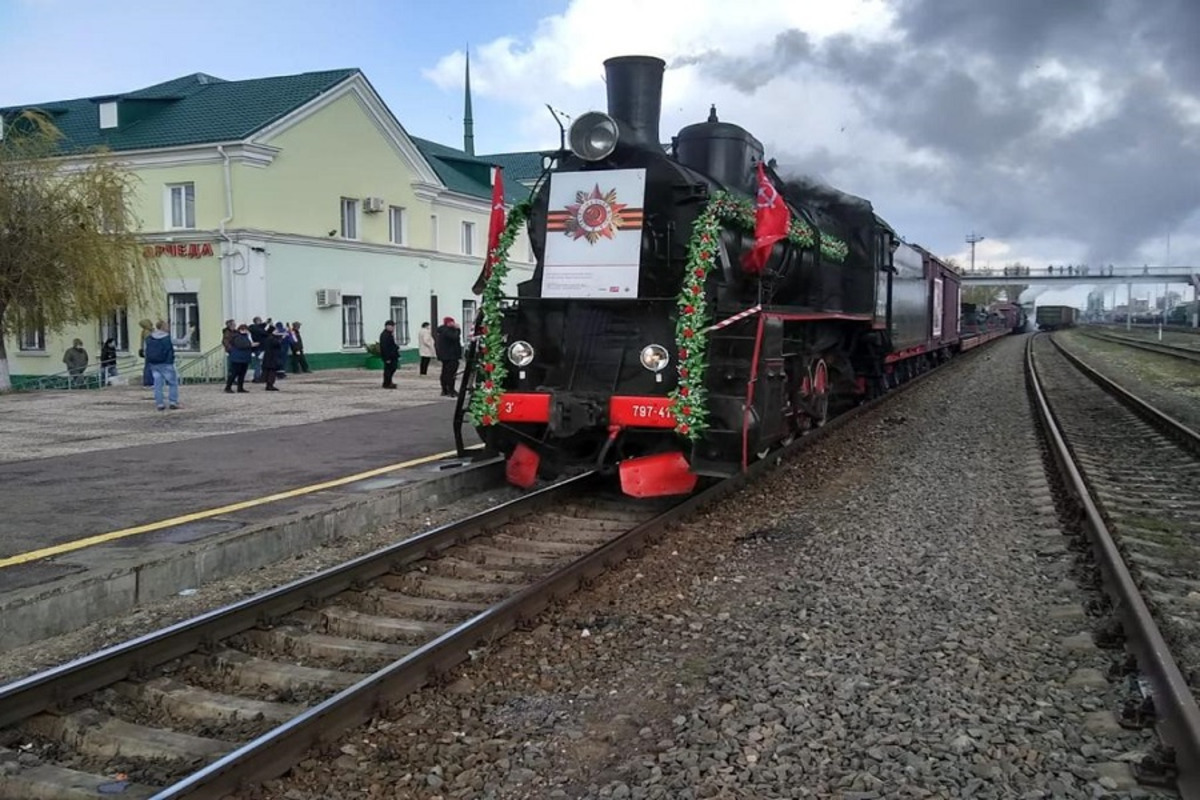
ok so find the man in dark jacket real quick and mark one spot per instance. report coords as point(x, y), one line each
point(76, 359)
point(160, 355)
point(448, 343)
point(272, 358)
point(240, 353)
point(259, 331)
point(299, 362)
point(389, 351)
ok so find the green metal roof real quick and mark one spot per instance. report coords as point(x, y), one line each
point(470, 174)
point(194, 109)
point(520, 167)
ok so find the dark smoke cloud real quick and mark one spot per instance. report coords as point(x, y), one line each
point(954, 86)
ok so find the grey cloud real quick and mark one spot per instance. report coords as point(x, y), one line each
point(958, 85)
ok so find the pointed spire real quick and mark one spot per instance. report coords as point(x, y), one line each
point(468, 123)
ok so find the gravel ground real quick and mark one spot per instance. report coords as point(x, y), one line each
point(26, 660)
point(1171, 384)
point(892, 615)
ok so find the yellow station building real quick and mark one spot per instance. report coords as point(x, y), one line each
point(300, 198)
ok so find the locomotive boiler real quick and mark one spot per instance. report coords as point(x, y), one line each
point(648, 342)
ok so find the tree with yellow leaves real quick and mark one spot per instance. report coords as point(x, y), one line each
point(69, 251)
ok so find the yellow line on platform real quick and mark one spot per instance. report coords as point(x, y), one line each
point(101, 538)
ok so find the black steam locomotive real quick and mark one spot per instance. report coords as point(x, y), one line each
point(644, 341)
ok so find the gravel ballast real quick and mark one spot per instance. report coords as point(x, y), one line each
point(890, 615)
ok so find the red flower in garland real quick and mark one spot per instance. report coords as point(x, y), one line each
point(699, 273)
point(489, 367)
point(684, 428)
point(696, 290)
point(688, 333)
point(689, 309)
point(682, 354)
point(487, 419)
point(489, 384)
point(684, 391)
point(683, 372)
point(686, 411)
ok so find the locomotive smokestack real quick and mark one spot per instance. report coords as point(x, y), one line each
point(635, 96)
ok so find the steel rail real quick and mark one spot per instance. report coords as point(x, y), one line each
point(1178, 714)
point(1184, 353)
point(25, 697)
point(1186, 437)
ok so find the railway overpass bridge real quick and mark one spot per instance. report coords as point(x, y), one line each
point(1068, 276)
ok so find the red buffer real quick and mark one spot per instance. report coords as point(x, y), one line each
point(657, 475)
point(522, 467)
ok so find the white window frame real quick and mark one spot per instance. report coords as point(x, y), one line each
point(116, 325)
point(468, 238)
point(469, 310)
point(31, 335)
point(183, 313)
point(399, 315)
point(397, 225)
point(187, 209)
point(351, 218)
point(352, 329)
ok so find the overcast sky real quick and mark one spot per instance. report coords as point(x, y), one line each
point(1060, 130)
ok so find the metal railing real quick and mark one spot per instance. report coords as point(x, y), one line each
point(1080, 271)
point(93, 378)
point(207, 367)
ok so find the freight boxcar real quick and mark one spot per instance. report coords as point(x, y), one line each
point(1051, 318)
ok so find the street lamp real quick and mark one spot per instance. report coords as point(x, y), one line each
point(972, 239)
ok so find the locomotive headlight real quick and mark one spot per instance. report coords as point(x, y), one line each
point(593, 136)
point(520, 353)
point(655, 357)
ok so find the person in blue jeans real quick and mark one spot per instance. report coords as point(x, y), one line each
point(160, 357)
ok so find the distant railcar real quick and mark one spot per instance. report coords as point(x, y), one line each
point(1052, 318)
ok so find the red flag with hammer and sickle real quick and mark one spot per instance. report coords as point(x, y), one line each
point(771, 220)
point(495, 228)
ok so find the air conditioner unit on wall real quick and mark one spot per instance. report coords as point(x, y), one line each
point(373, 205)
point(327, 298)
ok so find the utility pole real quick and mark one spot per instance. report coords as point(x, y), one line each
point(972, 239)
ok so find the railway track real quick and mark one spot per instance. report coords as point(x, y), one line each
point(240, 694)
point(1177, 351)
point(1132, 474)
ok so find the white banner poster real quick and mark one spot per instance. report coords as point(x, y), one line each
point(594, 234)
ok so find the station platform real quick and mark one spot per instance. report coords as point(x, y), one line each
point(96, 483)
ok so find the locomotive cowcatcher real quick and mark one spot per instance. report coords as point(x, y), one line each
point(646, 342)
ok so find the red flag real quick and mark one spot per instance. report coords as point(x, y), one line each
point(771, 221)
point(495, 228)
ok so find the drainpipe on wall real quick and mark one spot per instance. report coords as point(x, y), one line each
point(227, 249)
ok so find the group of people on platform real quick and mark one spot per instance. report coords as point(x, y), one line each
point(267, 345)
point(444, 344)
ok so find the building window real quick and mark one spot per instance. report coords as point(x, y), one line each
point(400, 317)
point(468, 238)
point(433, 232)
point(116, 326)
point(468, 318)
point(349, 218)
point(183, 321)
point(181, 205)
point(31, 333)
point(397, 225)
point(352, 321)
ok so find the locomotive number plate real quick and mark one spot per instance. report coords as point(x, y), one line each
point(641, 412)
